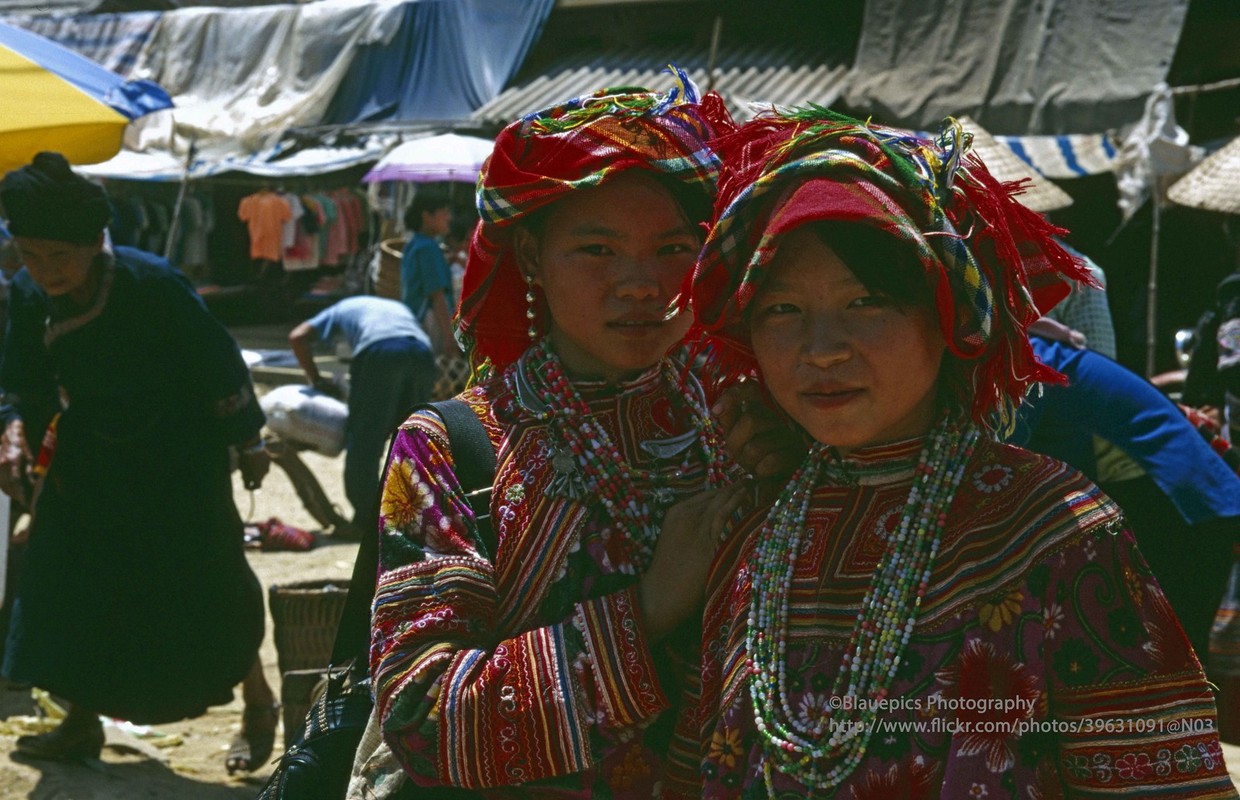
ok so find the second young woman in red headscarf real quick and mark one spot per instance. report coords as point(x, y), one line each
point(923, 612)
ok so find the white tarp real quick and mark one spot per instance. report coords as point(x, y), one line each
point(156, 166)
point(161, 166)
point(311, 161)
point(240, 77)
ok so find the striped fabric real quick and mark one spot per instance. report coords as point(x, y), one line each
point(530, 675)
point(1069, 156)
point(113, 41)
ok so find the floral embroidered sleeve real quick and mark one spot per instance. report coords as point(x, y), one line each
point(461, 703)
point(1134, 712)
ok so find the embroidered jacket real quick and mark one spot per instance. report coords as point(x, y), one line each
point(530, 671)
point(1045, 661)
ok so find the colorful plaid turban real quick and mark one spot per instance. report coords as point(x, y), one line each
point(991, 263)
point(541, 158)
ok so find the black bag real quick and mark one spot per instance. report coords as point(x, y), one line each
point(318, 765)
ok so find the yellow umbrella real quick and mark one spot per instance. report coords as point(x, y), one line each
point(51, 98)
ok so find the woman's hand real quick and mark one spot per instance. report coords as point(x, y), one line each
point(763, 442)
point(15, 462)
point(674, 587)
point(1057, 331)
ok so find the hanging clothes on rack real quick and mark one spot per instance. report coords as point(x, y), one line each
point(264, 214)
point(198, 220)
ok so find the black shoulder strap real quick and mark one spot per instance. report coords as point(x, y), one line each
point(474, 461)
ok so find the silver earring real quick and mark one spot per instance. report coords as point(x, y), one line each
point(529, 308)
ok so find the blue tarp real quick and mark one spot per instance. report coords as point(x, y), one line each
point(446, 60)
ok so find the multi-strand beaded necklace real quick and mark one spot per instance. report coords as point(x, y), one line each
point(816, 752)
point(589, 465)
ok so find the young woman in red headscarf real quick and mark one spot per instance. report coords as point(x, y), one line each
point(548, 666)
point(923, 612)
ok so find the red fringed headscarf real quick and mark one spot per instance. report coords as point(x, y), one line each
point(544, 156)
point(991, 263)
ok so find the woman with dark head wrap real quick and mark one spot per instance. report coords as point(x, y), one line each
point(923, 612)
point(136, 600)
point(540, 664)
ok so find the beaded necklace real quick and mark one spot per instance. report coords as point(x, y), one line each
point(589, 465)
point(825, 751)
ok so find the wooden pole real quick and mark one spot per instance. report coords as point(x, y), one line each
point(1151, 302)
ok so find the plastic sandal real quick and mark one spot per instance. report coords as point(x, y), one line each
point(251, 748)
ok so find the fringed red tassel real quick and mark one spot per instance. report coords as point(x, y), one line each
point(1028, 271)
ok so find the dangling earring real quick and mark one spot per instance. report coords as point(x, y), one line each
point(529, 308)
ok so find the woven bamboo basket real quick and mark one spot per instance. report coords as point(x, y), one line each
point(305, 615)
point(299, 689)
point(387, 275)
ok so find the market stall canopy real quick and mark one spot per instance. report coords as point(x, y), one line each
point(242, 77)
point(1214, 184)
point(158, 166)
point(752, 69)
point(272, 163)
point(439, 62)
point(58, 7)
point(113, 41)
point(447, 157)
point(51, 98)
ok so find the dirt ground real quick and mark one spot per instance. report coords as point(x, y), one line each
point(194, 768)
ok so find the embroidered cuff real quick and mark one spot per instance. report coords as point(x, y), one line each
point(625, 683)
point(1142, 737)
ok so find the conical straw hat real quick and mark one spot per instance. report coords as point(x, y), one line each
point(1040, 194)
point(1214, 184)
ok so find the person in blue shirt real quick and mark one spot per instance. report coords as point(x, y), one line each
point(1185, 509)
point(425, 278)
point(392, 371)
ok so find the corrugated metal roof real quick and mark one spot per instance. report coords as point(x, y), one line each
point(744, 74)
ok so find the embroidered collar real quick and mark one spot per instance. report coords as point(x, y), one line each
point(58, 325)
point(592, 391)
point(874, 465)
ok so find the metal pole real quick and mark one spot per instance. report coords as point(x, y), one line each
point(176, 211)
point(716, 32)
point(1151, 301)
